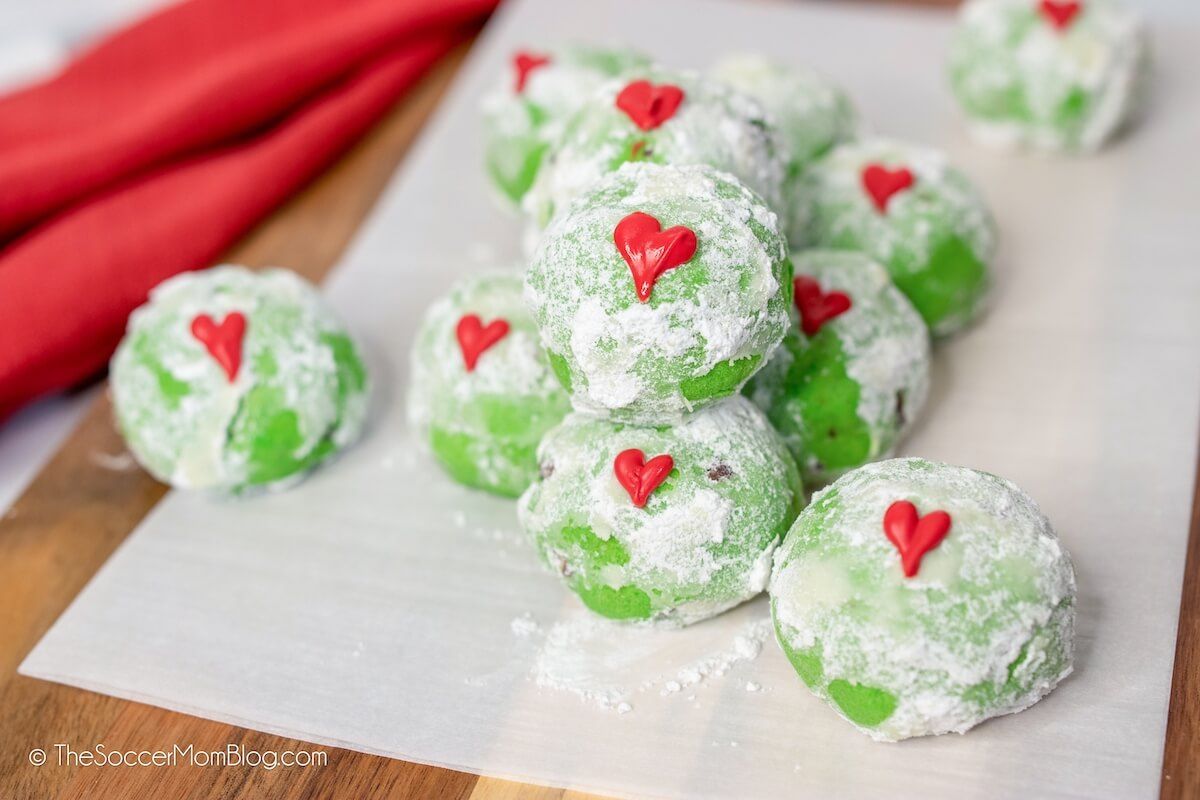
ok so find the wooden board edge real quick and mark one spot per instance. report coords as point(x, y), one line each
point(1181, 748)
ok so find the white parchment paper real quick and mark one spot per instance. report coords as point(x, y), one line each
point(380, 607)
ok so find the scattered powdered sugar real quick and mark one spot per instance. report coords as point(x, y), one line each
point(116, 462)
point(500, 535)
point(611, 665)
point(591, 658)
point(746, 646)
point(526, 626)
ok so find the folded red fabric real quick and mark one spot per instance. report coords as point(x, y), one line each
point(154, 151)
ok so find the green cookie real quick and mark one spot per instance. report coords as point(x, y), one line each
point(649, 350)
point(483, 420)
point(719, 489)
point(847, 393)
point(228, 379)
point(975, 620)
point(909, 209)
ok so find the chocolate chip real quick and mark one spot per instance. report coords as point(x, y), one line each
point(546, 470)
point(719, 472)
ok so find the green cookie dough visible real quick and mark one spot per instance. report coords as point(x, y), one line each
point(266, 427)
point(1021, 80)
point(626, 603)
point(520, 126)
point(453, 450)
point(847, 395)
point(701, 544)
point(807, 662)
point(936, 238)
point(948, 281)
point(826, 398)
point(862, 705)
point(985, 627)
point(484, 425)
point(512, 164)
point(715, 125)
point(721, 381)
point(707, 324)
point(192, 427)
point(562, 371)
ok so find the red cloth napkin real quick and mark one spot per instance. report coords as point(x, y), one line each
point(153, 152)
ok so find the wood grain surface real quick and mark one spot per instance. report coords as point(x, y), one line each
point(76, 512)
point(1181, 752)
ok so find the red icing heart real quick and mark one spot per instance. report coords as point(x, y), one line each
point(650, 251)
point(1060, 13)
point(474, 337)
point(648, 105)
point(817, 307)
point(913, 535)
point(525, 63)
point(881, 183)
point(224, 341)
point(639, 476)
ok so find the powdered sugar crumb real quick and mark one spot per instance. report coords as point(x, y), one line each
point(746, 646)
point(116, 462)
point(526, 626)
point(606, 664)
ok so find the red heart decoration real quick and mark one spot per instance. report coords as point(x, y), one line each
point(650, 251)
point(914, 535)
point(525, 63)
point(224, 341)
point(817, 307)
point(881, 183)
point(639, 476)
point(474, 337)
point(648, 105)
point(1060, 13)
